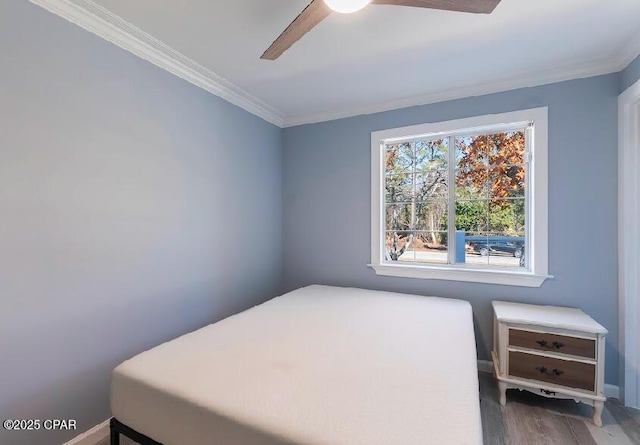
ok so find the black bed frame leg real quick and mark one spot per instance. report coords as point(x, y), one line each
point(118, 428)
point(115, 434)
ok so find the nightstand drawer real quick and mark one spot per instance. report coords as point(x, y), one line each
point(552, 370)
point(563, 344)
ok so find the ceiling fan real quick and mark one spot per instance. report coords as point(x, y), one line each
point(318, 10)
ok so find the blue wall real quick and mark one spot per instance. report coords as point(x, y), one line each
point(327, 202)
point(134, 208)
point(630, 74)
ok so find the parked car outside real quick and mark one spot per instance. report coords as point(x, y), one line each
point(489, 247)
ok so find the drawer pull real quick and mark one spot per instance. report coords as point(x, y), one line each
point(553, 372)
point(548, 392)
point(554, 345)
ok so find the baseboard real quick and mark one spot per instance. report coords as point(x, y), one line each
point(485, 366)
point(610, 391)
point(97, 435)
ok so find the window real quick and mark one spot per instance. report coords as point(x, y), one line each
point(462, 200)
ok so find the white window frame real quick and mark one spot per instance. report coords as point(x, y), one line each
point(537, 185)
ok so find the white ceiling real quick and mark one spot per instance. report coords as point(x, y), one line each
point(385, 57)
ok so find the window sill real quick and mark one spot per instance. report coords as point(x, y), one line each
point(508, 278)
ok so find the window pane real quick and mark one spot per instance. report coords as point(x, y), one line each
point(431, 247)
point(399, 217)
point(472, 184)
point(399, 159)
point(506, 148)
point(471, 153)
point(507, 181)
point(507, 216)
point(432, 185)
point(506, 250)
point(399, 188)
point(432, 155)
point(476, 250)
point(472, 216)
point(421, 247)
point(399, 246)
point(431, 215)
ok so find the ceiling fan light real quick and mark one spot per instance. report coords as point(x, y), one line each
point(346, 6)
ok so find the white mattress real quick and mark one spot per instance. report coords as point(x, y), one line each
point(320, 365)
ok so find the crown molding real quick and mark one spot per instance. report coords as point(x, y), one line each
point(98, 20)
point(513, 81)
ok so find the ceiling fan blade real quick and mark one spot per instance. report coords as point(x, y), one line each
point(473, 6)
point(313, 14)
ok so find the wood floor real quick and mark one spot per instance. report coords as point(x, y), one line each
point(529, 419)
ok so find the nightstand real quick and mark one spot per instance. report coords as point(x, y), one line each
point(553, 351)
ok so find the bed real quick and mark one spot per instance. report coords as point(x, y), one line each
point(319, 365)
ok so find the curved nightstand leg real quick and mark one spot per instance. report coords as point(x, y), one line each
point(502, 388)
point(597, 414)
